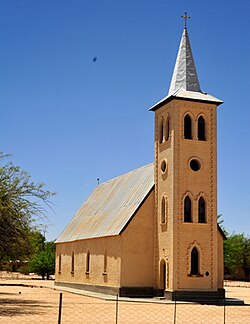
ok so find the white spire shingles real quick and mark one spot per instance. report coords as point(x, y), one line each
point(184, 76)
point(185, 84)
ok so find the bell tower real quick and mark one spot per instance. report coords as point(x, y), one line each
point(188, 241)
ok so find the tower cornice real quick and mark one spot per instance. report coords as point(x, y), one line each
point(187, 95)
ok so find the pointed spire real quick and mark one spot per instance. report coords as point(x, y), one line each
point(184, 75)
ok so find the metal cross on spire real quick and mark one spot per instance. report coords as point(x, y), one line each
point(185, 17)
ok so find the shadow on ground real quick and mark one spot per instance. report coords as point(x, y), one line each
point(18, 306)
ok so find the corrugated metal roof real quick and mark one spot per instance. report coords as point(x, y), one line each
point(110, 206)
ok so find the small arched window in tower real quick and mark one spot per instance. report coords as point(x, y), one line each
point(167, 130)
point(164, 210)
point(201, 129)
point(161, 131)
point(194, 262)
point(163, 166)
point(87, 262)
point(187, 210)
point(201, 210)
point(72, 262)
point(187, 127)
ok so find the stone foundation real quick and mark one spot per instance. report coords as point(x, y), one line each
point(195, 296)
point(149, 292)
point(93, 288)
point(121, 291)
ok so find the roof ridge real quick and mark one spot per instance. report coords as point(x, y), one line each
point(123, 174)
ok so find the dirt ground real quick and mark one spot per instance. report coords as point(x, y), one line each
point(39, 304)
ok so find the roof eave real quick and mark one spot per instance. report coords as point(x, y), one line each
point(172, 97)
point(128, 222)
point(221, 232)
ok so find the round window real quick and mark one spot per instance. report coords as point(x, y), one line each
point(163, 166)
point(195, 165)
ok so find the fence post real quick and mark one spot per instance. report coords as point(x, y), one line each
point(116, 310)
point(224, 310)
point(175, 312)
point(60, 309)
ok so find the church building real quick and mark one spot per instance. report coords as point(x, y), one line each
point(153, 231)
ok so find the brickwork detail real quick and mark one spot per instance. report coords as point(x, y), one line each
point(212, 194)
point(179, 135)
point(156, 245)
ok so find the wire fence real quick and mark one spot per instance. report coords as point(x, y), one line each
point(154, 313)
point(28, 305)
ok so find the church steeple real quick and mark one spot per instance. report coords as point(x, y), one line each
point(184, 76)
point(185, 84)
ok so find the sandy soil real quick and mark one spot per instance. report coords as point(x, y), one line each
point(39, 304)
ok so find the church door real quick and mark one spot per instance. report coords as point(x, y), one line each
point(163, 275)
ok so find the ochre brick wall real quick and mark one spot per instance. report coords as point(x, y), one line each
point(97, 248)
point(137, 247)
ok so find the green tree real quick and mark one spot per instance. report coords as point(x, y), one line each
point(220, 222)
point(237, 254)
point(21, 202)
point(43, 263)
point(36, 241)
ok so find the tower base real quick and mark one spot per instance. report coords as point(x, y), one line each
point(196, 296)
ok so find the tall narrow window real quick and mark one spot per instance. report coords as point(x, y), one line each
point(72, 262)
point(87, 262)
point(194, 261)
point(187, 127)
point(60, 263)
point(187, 210)
point(163, 210)
point(105, 263)
point(201, 210)
point(201, 129)
point(167, 129)
point(161, 132)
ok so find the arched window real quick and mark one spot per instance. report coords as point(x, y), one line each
point(105, 262)
point(164, 210)
point(201, 210)
point(194, 261)
point(187, 127)
point(87, 262)
point(201, 129)
point(60, 263)
point(73, 262)
point(167, 129)
point(161, 132)
point(187, 210)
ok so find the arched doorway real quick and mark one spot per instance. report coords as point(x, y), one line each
point(163, 276)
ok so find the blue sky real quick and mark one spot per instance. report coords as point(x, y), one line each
point(69, 120)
